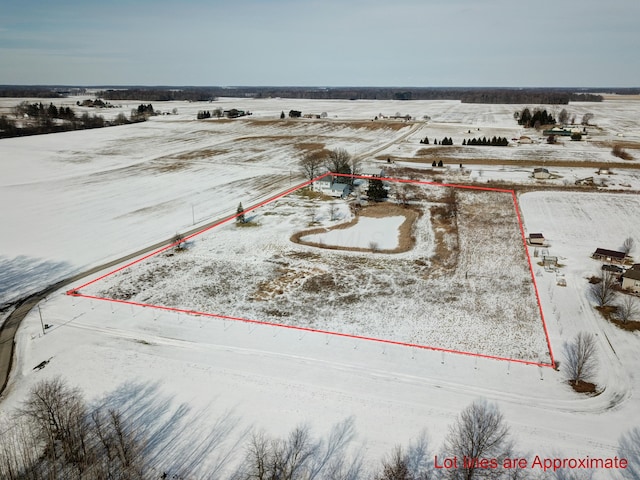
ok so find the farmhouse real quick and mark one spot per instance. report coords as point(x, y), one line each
point(612, 256)
point(331, 185)
point(536, 239)
point(631, 280)
point(541, 173)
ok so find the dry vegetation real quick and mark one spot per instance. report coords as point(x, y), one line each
point(618, 151)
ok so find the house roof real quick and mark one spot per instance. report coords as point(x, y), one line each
point(612, 268)
point(540, 169)
point(603, 252)
point(536, 235)
point(632, 274)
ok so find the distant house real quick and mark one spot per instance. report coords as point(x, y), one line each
point(563, 132)
point(631, 280)
point(524, 140)
point(541, 173)
point(612, 256)
point(332, 186)
point(536, 239)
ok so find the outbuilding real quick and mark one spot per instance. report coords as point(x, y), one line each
point(612, 256)
point(541, 173)
point(536, 239)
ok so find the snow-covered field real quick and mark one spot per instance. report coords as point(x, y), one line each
point(381, 233)
point(197, 384)
point(484, 302)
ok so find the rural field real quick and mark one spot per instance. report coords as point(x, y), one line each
point(448, 270)
point(447, 291)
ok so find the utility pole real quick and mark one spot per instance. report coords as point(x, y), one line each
point(41, 322)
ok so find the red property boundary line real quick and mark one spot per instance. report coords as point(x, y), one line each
point(75, 292)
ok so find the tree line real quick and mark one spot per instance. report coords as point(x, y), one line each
point(38, 118)
point(444, 141)
point(56, 434)
point(160, 94)
point(493, 141)
point(464, 94)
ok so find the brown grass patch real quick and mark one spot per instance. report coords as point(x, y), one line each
point(583, 387)
point(381, 210)
point(312, 147)
point(618, 151)
point(357, 124)
point(198, 154)
point(439, 151)
point(286, 278)
point(620, 143)
point(609, 313)
point(445, 227)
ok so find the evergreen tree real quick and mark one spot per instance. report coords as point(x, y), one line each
point(464, 142)
point(282, 115)
point(376, 190)
point(240, 214)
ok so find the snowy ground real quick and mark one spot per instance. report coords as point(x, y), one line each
point(82, 197)
point(381, 233)
point(483, 303)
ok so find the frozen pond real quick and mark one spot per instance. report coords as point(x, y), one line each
point(376, 233)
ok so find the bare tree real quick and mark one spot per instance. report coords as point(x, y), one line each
point(629, 448)
point(339, 161)
point(56, 435)
point(300, 456)
point(563, 116)
point(19, 451)
point(311, 164)
point(603, 292)
point(330, 460)
point(586, 118)
point(581, 360)
point(412, 464)
point(395, 467)
point(627, 309)
point(480, 432)
point(627, 245)
point(57, 414)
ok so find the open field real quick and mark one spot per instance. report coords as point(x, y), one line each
point(199, 385)
point(258, 274)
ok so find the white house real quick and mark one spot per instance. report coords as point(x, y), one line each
point(631, 280)
point(332, 186)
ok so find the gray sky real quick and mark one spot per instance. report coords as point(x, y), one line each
point(321, 42)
